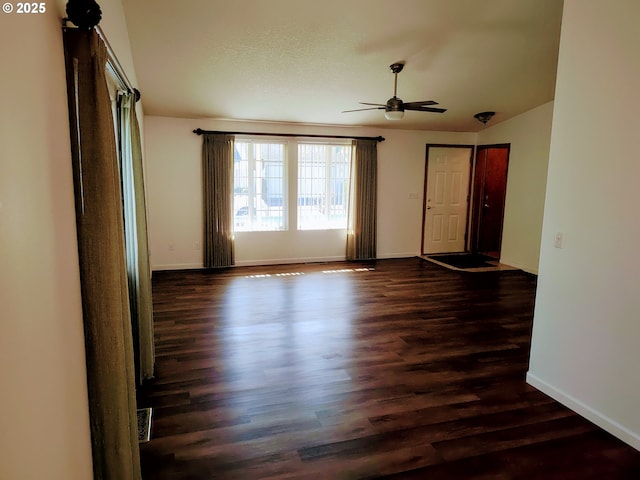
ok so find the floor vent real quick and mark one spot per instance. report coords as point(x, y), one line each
point(144, 424)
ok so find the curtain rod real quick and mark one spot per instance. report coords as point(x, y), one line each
point(116, 66)
point(199, 131)
point(113, 64)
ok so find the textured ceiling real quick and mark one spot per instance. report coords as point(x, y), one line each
point(306, 61)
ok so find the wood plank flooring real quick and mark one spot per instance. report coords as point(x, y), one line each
point(397, 369)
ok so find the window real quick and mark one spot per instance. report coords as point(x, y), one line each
point(261, 186)
point(259, 200)
point(323, 185)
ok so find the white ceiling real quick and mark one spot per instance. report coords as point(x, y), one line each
point(306, 61)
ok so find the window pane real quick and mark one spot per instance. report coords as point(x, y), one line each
point(259, 200)
point(323, 186)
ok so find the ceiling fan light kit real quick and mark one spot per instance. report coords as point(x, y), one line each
point(394, 115)
point(394, 108)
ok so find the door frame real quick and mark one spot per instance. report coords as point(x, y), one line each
point(472, 152)
point(474, 221)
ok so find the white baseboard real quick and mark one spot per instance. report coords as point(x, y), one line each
point(274, 261)
point(284, 261)
point(177, 266)
point(603, 421)
point(398, 255)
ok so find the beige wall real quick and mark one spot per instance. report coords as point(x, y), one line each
point(586, 325)
point(44, 423)
point(175, 198)
point(44, 420)
point(529, 135)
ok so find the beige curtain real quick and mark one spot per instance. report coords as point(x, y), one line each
point(136, 240)
point(217, 174)
point(105, 301)
point(361, 229)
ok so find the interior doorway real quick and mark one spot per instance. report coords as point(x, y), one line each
point(446, 198)
point(489, 192)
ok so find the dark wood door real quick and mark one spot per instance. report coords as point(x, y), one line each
point(489, 191)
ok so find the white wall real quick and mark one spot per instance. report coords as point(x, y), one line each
point(529, 135)
point(44, 422)
point(175, 195)
point(586, 327)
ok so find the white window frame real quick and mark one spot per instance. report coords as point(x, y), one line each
point(251, 184)
point(327, 187)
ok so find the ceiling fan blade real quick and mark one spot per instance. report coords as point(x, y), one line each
point(395, 105)
point(426, 103)
point(425, 109)
point(362, 109)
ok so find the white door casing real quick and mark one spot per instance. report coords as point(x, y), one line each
point(447, 192)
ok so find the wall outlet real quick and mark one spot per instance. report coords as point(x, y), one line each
point(558, 239)
point(196, 245)
point(171, 247)
point(413, 195)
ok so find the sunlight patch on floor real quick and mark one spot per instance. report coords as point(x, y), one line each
point(266, 275)
point(293, 274)
point(348, 270)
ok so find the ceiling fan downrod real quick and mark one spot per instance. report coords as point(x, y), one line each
point(396, 68)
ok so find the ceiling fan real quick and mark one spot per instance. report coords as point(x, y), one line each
point(395, 107)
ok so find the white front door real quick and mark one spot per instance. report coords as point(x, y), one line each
point(447, 189)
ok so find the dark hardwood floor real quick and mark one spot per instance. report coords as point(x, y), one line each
point(394, 369)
